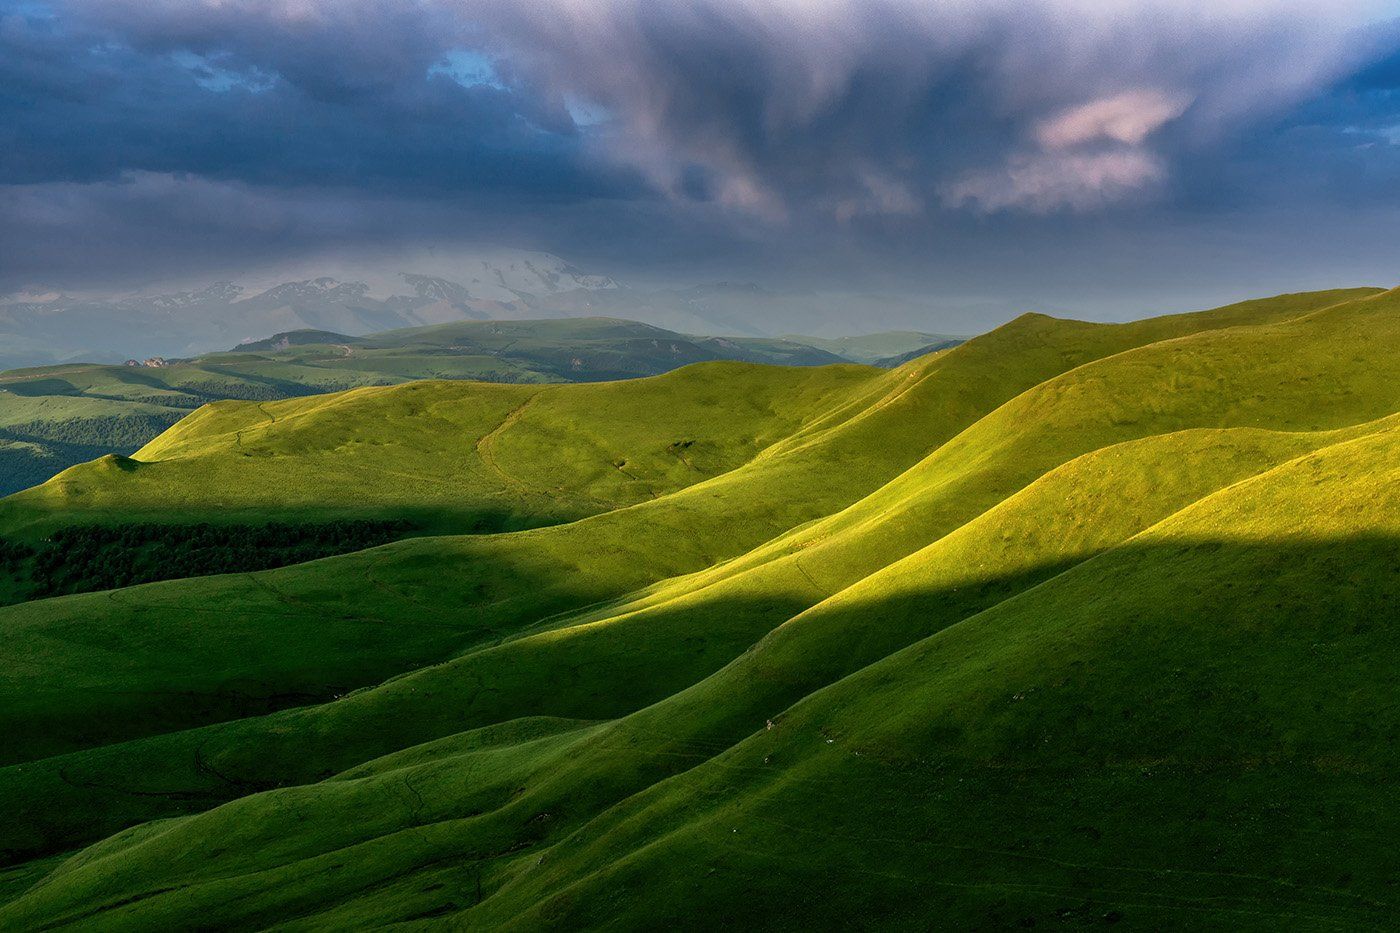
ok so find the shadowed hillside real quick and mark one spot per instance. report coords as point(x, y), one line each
point(1072, 623)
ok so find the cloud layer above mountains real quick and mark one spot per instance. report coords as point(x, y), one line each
point(171, 135)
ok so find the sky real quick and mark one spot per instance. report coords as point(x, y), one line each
point(1104, 158)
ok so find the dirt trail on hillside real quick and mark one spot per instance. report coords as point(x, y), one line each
point(486, 445)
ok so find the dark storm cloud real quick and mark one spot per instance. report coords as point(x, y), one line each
point(786, 128)
point(86, 104)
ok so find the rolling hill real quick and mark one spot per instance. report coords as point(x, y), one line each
point(1070, 624)
point(54, 417)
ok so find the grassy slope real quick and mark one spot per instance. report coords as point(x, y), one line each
point(510, 580)
point(891, 409)
point(1023, 494)
point(80, 411)
point(408, 598)
point(462, 453)
point(415, 808)
point(53, 417)
point(884, 428)
point(1184, 730)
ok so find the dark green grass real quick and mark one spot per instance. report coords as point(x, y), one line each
point(920, 789)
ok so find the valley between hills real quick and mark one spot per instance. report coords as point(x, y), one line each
point(1067, 624)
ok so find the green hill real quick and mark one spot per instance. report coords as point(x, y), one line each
point(1070, 624)
point(297, 338)
point(57, 416)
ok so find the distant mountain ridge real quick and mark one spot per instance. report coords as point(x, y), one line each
point(296, 338)
point(51, 327)
point(54, 327)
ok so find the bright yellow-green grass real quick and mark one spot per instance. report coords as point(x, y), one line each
point(1072, 624)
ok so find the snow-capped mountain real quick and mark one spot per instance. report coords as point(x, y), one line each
point(42, 327)
point(502, 276)
point(515, 277)
point(218, 293)
point(436, 289)
point(324, 288)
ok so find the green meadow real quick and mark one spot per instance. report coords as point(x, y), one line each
point(1070, 624)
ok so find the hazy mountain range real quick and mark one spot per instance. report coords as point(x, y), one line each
point(40, 327)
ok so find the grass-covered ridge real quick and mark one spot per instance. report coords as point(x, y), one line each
point(57, 416)
point(1071, 623)
point(468, 455)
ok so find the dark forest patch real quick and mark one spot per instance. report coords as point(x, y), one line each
point(83, 558)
